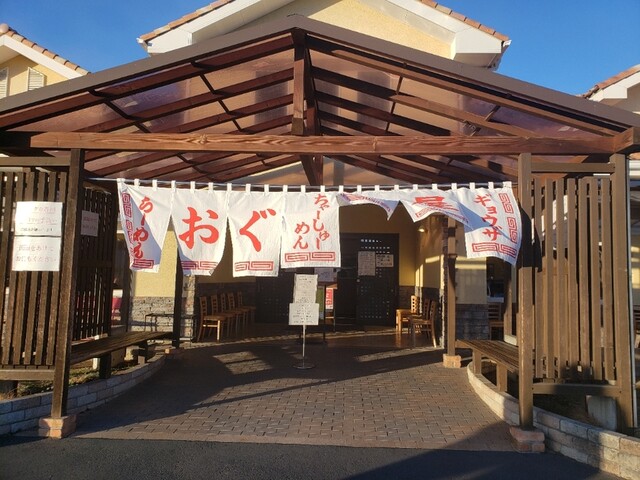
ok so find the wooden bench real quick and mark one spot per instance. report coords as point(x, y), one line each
point(103, 347)
point(503, 354)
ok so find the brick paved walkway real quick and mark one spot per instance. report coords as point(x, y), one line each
point(366, 390)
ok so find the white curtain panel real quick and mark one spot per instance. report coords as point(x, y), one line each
point(311, 236)
point(144, 214)
point(255, 225)
point(200, 223)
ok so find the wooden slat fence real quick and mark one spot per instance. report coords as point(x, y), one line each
point(573, 293)
point(95, 268)
point(30, 300)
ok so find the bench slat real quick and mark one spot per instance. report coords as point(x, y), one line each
point(496, 350)
point(102, 346)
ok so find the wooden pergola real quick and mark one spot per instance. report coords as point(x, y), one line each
point(298, 93)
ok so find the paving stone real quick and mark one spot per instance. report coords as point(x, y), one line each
point(403, 398)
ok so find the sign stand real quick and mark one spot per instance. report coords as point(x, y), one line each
point(304, 365)
point(303, 311)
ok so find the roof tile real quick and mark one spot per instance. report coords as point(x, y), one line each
point(9, 32)
point(220, 3)
point(612, 80)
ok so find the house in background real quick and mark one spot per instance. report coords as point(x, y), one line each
point(419, 24)
point(25, 65)
point(623, 91)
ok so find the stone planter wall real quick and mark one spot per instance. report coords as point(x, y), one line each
point(609, 451)
point(25, 412)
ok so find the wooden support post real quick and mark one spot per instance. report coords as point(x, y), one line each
point(177, 304)
point(622, 300)
point(526, 328)
point(66, 312)
point(450, 359)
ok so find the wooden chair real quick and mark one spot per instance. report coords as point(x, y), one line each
point(496, 320)
point(252, 309)
point(424, 323)
point(235, 316)
point(210, 320)
point(403, 314)
point(232, 307)
point(216, 307)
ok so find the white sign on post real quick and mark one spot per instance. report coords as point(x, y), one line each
point(90, 223)
point(36, 244)
point(36, 254)
point(304, 313)
point(38, 219)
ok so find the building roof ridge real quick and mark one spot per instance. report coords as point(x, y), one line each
point(6, 30)
point(221, 3)
point(612, 80)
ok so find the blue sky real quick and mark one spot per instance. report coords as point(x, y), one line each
point(567, 45)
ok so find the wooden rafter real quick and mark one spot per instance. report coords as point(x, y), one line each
point(420, 103)
point(461, 86)
point(188, 103)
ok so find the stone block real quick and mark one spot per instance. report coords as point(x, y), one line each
point(574, 454)
point(57, 427)
point(527, 441)
point(574, 428)
point(451, 361)
point(630, 445)
point(13, 417)
point(24, 403)
point(548, 419)
point(604, 438)
point(5, 406)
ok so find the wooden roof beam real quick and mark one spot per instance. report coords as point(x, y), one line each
point(628, 141)
point(326, 145)
point(312, 165)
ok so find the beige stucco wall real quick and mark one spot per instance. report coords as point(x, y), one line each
point(358, 17)
point(19, 71)
point(471, 274)
point(161, 284)
point(428, 270)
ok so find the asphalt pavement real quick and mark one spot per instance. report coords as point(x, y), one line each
point(31, 458)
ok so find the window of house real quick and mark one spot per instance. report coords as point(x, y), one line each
point(4, 82)
point(36, 79)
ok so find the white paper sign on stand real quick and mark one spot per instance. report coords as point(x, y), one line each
point(304, 288)
point(304, 313)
